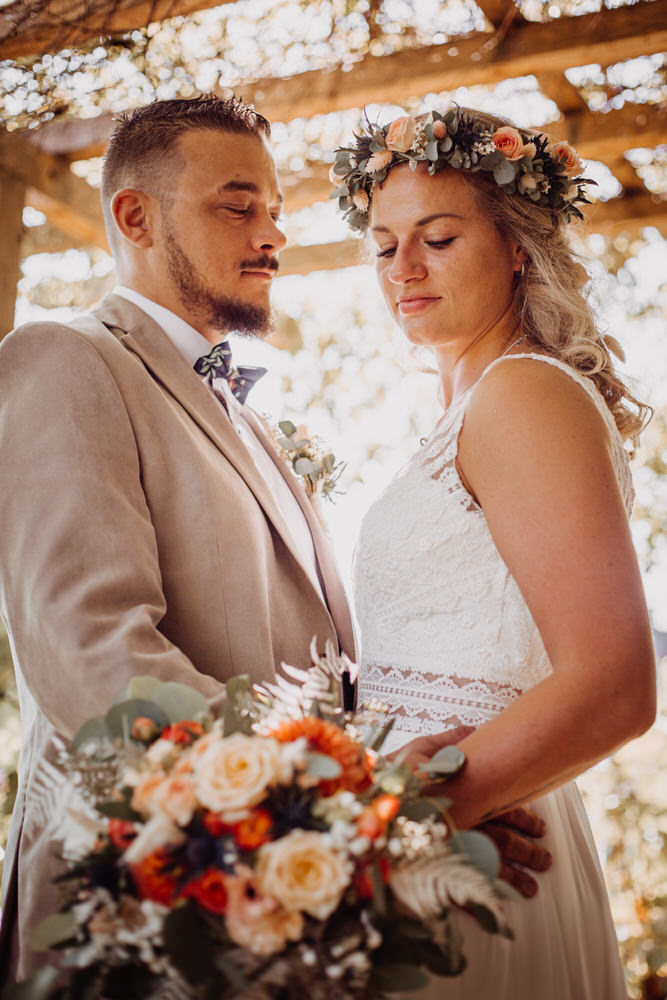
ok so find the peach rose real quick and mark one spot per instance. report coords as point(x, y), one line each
point(233, 774)
point(509, 142)
point(568, 156)
point(302, 872)
point(176, 798)
point(402, 133)
point(257, 922)
point(143, 797)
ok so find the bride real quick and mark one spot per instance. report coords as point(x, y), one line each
point(496, 582)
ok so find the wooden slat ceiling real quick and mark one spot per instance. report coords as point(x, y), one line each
point(512, 48)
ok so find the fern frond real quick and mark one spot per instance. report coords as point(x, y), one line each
point(429, 885)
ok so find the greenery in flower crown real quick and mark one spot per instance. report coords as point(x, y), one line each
point(524, 163)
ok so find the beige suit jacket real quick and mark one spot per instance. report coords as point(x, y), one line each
point(136, 537)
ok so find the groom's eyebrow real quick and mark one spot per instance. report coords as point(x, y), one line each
point(245, 186)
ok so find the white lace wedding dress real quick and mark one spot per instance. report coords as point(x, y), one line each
point(446, 638)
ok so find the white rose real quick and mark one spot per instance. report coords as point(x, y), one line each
point(233, 774)
point(302, 872)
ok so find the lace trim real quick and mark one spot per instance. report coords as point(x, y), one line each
point(438, 459)
point(432, 702)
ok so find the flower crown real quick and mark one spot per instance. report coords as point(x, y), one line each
point(524, 163)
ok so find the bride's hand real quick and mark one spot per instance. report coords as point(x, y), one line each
point(422, 748)
point(514, 832)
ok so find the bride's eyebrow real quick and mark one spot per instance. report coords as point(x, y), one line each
point(422, 222)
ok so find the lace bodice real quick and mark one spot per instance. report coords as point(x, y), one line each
point(446, 636)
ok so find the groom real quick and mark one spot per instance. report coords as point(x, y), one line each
point(146, 524)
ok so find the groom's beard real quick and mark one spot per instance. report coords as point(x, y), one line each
point(220, 312)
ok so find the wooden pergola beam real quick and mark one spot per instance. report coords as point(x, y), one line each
point(12, 198)
point(604, 37)
point(29, 28)
point(67, 201)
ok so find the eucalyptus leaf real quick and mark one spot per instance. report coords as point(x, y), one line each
point(304, 466)
point(320, 765)
point(142, 686)
point(178, 701)
point(398, 977)
point(38, 987)
point(120, 717)
point(302, 443)
point(93, 731)
point(287, 427)
point(432, 150)
point(118, 810)
point(504, 173)
point(286, 444)
point(54, 930)
point(491, 160)
point(480, 851)
point(419, 809)
point(394, 781)
point(188, 946)
point(447, 761)
point(378, 889)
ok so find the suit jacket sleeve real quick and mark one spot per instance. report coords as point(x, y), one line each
point(80, 576)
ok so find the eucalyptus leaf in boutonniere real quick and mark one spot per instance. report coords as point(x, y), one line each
point(310, 460)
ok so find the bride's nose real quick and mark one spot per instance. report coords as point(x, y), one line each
point(406, 265)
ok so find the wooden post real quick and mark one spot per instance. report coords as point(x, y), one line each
point(12, 199)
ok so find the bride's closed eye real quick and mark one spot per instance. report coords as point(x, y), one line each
point(435, 244)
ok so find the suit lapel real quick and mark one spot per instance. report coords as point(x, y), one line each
point(143, 337)
point(329, 572)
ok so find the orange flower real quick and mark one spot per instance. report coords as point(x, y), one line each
point(209, 890)
point(184, 732)
point(508, 140)
point(121, 833)
point(386, 807)
point(155, 876)
point(215, 824)
point(327, 738)
point(255, 830)
point(144, 729)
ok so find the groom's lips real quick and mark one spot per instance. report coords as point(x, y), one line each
point(416, 304)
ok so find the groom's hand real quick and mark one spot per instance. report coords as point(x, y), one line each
point(514, 834)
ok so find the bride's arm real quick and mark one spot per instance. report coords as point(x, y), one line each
point(536, 454)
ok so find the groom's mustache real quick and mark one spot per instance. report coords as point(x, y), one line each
point(265, 262)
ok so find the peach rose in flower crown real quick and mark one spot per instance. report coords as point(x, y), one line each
point(568, 156)
point(234, 773)
point(303, 873)
point(508, 140)
point(402, 133)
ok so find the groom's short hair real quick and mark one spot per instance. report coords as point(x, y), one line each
point(142, 151)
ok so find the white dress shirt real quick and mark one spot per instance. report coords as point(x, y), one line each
point(192, 345)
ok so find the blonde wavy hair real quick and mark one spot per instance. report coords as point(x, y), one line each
point(551, 297)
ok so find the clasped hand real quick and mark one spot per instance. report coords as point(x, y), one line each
point(513, 832)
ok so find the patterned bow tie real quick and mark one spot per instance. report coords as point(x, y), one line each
point(218, 364)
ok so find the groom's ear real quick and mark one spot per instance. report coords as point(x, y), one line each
point(135, 215)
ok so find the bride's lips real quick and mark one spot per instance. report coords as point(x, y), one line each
point(412, 306)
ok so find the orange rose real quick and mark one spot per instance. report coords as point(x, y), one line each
point(509, 142)
point(208, 890)
point(185, 732)
point(568, 156)
point(254, 831)
point(155, 876)
point(401, 134)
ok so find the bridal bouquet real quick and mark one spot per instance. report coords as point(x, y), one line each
point(271, 852)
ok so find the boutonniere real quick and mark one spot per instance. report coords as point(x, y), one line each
point(310, 460)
